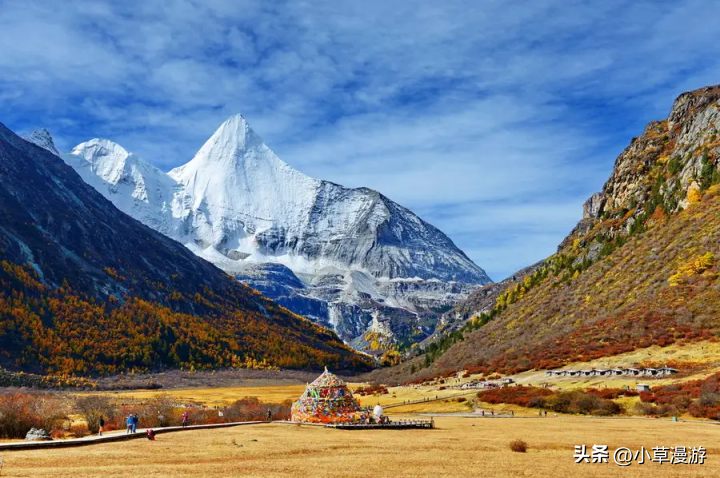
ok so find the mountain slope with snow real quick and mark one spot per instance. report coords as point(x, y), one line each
point(85, 288)
point(348, 258)
point(135, 186)
point(42, 138)
point(246, 200)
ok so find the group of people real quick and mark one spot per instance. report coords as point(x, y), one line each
point(131, 422)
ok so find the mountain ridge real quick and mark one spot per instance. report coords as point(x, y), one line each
point(241, 207)
point(85, 288)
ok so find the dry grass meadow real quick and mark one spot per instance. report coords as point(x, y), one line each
point(279, 393)
point(218, 396)
point(458, 447)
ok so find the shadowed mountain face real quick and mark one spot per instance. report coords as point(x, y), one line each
point(349, 259)
point(77, 273)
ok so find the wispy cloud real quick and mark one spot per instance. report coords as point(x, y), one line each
point(493, 120)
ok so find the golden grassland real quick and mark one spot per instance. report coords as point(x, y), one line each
point(398, 395)
point(441, 406)
point(280, 393)
point(217, 396)
point(458, 447)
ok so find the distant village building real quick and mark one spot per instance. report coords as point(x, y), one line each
point(484, 384)
point(628, 372)
point(642, 387)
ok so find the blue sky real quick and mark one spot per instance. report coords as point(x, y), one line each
point(493, 120)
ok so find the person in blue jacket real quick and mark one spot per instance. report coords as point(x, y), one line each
point(129, 423)
point(134, 423)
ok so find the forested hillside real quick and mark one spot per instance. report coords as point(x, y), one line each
point(640, 269)
point(84, 288)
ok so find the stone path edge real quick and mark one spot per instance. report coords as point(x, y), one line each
point(93, 440)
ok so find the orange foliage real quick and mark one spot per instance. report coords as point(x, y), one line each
point(64, 332)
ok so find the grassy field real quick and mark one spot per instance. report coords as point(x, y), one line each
point(279, 393)
point(218, 396)
point(458, 447)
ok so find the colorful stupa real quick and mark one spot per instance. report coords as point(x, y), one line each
point(327, 400)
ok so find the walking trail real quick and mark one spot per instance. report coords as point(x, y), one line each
point(115, 436)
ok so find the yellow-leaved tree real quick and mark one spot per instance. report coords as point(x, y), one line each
point(692, 268)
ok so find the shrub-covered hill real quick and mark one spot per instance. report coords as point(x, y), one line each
point(640, 269)
point(85, 288)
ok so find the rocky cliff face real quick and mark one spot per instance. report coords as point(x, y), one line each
point(347, 258)
point(661, 167)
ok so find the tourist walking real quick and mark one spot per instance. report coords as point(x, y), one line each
point(134, 423)
point(269, 415)
point(184, 419)
point(101, 424)
point(129, 424)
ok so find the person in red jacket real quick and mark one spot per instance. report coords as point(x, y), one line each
point(185, 419)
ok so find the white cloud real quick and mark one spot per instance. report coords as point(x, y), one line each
point(493, 120)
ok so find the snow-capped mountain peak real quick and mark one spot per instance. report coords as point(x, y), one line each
point(231, 140)
point(135, 186)
point(233, 145)
point(114, 163)
point(42, 138)
point(106, 158)
point(99, 149)
point(358, 255)
point(238, 183)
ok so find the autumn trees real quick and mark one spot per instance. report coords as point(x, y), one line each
point(62, 331)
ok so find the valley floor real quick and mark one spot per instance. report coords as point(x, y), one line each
point(458, 447)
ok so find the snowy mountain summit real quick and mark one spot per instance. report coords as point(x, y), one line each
point(348, 258)
point(42, 138)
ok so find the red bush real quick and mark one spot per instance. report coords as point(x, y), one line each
point(607, 393)
point(520, 395)
point(372, 389)
point(700, 398)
